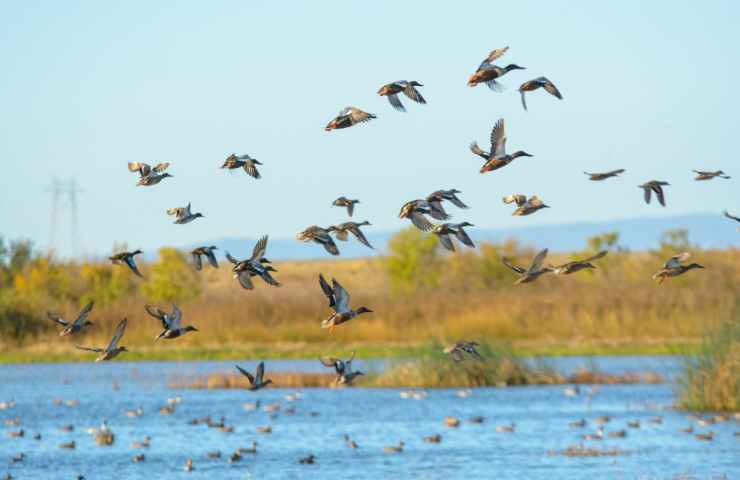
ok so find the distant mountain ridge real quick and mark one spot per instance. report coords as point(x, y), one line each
point(642, 233)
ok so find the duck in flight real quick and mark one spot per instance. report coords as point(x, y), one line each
point(343, 368)
point(127, 258)
point(319, 235)
point(257, 381)
point(206, 252)
point(532, 273)
point(183, 214)
point(443, 232)
point(112, 350)
point(171, 322)
point(347, 203)
point(488, 73)
point(339, 303)
point(342, 231)
point(255, 266)
point(525, 206)
point(673, 267)
point(348, 117)
point(539, 82)
point(391, 91)
point(576, 265)
point(149, 176)
point(497, 157)
point(702, 175)
point(459, 349)
point(654, 186)
point(79, 324)
point(246, 162)
point(597, 177)
point(416, 209)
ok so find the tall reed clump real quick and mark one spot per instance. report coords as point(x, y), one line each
point(711, 381)
point(435, 369)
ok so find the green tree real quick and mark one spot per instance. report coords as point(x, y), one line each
point(413, 262)
point(171, 278)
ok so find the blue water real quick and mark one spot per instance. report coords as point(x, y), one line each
point(374, 418)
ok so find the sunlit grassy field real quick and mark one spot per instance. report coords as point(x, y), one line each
point(416, 297)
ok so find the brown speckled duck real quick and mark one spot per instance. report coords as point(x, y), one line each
point(702, 175)
point(342, 231)
point(112, 350)
point(488, 73)
point(597, 177)
point(539, 82)
point(525, 206)
point(348, 117)
point(497, 157)
point(339, 302)
point(319, 235)
point(246, 162)
point(79, 324)
point(534, 271)
point(349, 204)
point(391, 91)
point(673, 267)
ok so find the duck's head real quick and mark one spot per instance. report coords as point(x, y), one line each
point(87, 323)
point(198, 215)
point(256, 162)
point(414, 83)
point(473, 80)
point(363, 310)
point(466, 224)
point(213, 247)
point(270, 268)
point(694, 265)
point(191, 328)
point(122, 349)
point(521, 153)
point(165, 175)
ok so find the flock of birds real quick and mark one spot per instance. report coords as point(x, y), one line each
point(416, 211)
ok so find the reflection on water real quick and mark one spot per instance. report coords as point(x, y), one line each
point(374, 418)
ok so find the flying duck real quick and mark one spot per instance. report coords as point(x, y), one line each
point(487, 72)
point(171, 322)
point(112, 350)
point(339, 302)
point(435, 198)
point(246, 162)
point(701, 175)
point(346, 202)
point(533, 272)
point(391, 91)
point(525, 206)
point(345, 374)
point(183, 214)
point(497, 157)
point(127, 258)
point(655, 186)
point(76, 326)
point(415, 211)
point(342, 230)
point(348, 117)
point(256, 265)
point(597, 177)
point(539, 82)
point(147, 175)
point(207, 252)
point(462, 347)
point(673, 267)
point(257, 381)
point(319, 235)
point(577, 265)
point(444, 230)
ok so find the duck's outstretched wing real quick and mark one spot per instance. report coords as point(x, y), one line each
point(197, 261)
point(396, 102)
point(675, 261)
point(595, 257)
point(498, 139)
point(360, 236)
point(57, 319)
point(659, 193)
point(420, 221)
point(89, 349)
point(445, 241)
point(328, 291)
point(259, 249)
point(246, 374)
point(158, 314)
point(245, 280)
point(231, 259)
point(513, 267)
point(120, 330)
point(411, 92)
point(478, 151)
point(537, 261)
point(259, 374)
point(341, 295)
point(211, 258)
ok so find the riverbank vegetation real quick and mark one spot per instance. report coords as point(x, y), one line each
point(418, 294)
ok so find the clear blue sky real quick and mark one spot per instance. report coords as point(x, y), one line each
point(89, 86)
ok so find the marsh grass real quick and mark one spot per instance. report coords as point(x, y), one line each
point(711, 381)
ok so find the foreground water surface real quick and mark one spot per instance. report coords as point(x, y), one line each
point(315, 424)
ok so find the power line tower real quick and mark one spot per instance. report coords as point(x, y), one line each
point(64, 199)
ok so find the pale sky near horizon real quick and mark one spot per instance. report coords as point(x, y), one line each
point(89, 86)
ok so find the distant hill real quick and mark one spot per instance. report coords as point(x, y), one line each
point(706, 230)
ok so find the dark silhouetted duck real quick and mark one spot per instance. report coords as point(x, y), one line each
point(597, 177)
point(342, 230)
point(391, 91)
point(112, 350)
point(731, 217)
point(577, 265)
point(348, 117)
point(539, 82)
point(436, 438)
point(526, 206)
point(497, 157)
point(308, 460)
point(444, 230)
point(534, 271)
point(76, 326)
point(171, 322)
point(183, 214)
point(346, 202)
point(654, 186)
point(701, 175)
point(673, 267)
point(488, 73)
point(255, 266)
point(127, 258)
point(257, 381)
point(350, 443)
point(201, 252)
point(435, 198)
point(319, 235)
point(246, 162)
point(339, 302)
point(189, 465)
point(343, 368)
point(394, 448)
point(147, 175)
point(459, 349)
